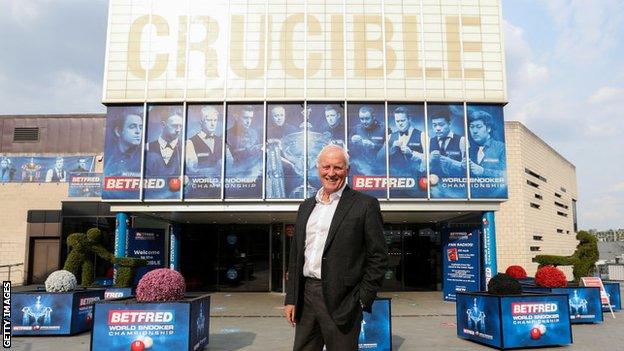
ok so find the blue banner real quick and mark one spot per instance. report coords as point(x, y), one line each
point(245, 140)
point(123, 152)
point(489, 247)
point(479, 318)
point(148, 244)
point(447, 151)
point(406, 145)
point(365, 141)
point(43, 169)
point(614, 293)
point(488, 162)
point(163, 153)
point(285, 151)
point(85, 185)
point(461, 261)
point(376, 330)
point(585, 306)
point(204, 152)
point(326, 125)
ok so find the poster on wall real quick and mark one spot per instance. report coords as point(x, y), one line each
point(326, 125)
point(122, 152)
point(406, 151)
point(204, 152)
point(285, 151)
point(148, 244)
point(85, 185)
point(488, 162)
point(365, 140)
point(244, 139)
point(163, 152)
point(447, 151)
point(461, 261)
point(42, 169)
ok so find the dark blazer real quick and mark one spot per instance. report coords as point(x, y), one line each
point(354, 260)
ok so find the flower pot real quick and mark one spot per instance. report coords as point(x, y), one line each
point(53, 313)
point(514, 321)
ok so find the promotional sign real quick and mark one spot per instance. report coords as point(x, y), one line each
point(117, 293)
point(42, 169)
point(365, 141)
point(326, 125)
point(532, 321)
point(447, 151)
point(461, 261)
point(123, 325)
point(285, 151)
point(85, 185)
point(148, 244)
point(479, 318)
point(406, 145)
point(488, 162)
point(41, 313)
point(204, 152)
point(489, 247)
point(245, 140)
point(123, 152)
point(376, 329)
point(585, 306)
point(163, 152)
point(614, 294)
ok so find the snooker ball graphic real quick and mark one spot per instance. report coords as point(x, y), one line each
point(422, 183)
point(145, 341)
point(434, 179)
point(137, 345)
point(174, 184)
point(537, 331)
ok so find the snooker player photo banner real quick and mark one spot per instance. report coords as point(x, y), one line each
point(285, 159)
point(365, 141)
point(488, 162)
point(326, 125)
point(163, 152)
point(122, 152)
point(447, 151)
point(244, 140)
point(406, 151)
point(204, 152)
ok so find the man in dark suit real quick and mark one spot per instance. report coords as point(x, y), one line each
point(337, 260)
point(163, 155)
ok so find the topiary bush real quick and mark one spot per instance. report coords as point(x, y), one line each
point(504, 284)
point(550, 277)
point(583, 260)
point(81, 255)
point(161, 284)
point(61, 281)
point(126, 268)
point(516, 272)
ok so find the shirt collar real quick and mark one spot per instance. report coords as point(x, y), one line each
point(332, 197)
point(448, 136)
point(163, 143)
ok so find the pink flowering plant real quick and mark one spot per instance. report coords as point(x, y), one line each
point(161, 284)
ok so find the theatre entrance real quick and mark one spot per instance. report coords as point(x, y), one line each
point(225, 257)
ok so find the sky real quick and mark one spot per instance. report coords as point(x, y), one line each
point(565, 77)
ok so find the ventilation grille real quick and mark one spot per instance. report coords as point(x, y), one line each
point(25, 134)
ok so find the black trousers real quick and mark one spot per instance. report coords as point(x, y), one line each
point(316, 328)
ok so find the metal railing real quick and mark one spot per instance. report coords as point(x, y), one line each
point(9, 266)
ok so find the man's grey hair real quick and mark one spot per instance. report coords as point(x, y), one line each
point(336, 147)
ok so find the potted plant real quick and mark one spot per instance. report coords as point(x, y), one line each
point(160, 316)
point(62, 309)
point(504, 317)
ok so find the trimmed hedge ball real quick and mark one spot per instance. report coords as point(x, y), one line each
point(516, 272)
point(551, 277)
point(61, 281)
point(161, 284)
point(504, 284)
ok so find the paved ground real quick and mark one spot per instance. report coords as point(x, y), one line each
point(420, 321)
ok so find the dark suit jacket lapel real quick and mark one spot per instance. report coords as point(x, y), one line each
point(344, 204)
point(307, 209)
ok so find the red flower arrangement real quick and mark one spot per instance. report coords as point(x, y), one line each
point(516, 272)
point(550, 277)
point(161, 284)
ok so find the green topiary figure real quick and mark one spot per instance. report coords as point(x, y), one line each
point(126, 268)
point(80, 258)
point(583, 259)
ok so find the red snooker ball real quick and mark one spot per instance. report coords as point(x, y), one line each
point(536, 333)
point(137, 345)
point(174, 184)
point(422, 183)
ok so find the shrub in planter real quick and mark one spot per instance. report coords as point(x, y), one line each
point(60, 281)
point(583, 259)
point(550, 277)
point(161, 284)
point(126, 269)
point(516, 272)
point(504, 284)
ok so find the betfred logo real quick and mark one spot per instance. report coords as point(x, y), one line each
point(518, 308)
point(380, 182)
point(88, 301)
point(120, 317)
point(121, 183)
